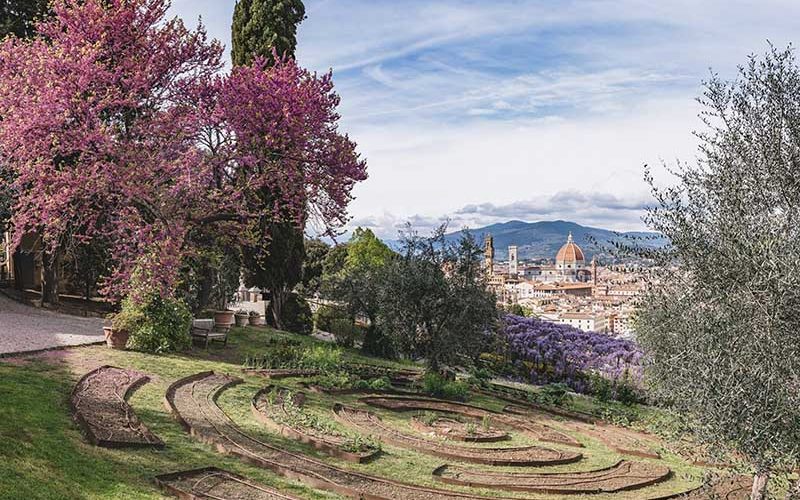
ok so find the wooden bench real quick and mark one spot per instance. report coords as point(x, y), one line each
point(204, 329)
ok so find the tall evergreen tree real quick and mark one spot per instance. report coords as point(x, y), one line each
point(263, 28)
point(259, 26)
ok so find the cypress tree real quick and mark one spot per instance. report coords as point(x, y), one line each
point(259, 26)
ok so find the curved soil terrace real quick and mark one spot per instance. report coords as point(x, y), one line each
point(536, 430)
point(459, 431)
point(401, 377)
point(192, 401)
point(211, 482)
point(619, 439)
point(99, 405)
point(622, 476)
point(272, 414)
point(729, 488)
point(369, 423)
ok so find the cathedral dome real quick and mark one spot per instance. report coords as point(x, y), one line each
point(570, 253)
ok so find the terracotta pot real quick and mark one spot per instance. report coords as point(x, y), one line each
point(242, 319)
point(257, 320)
point(115, 339)
point(223, 318)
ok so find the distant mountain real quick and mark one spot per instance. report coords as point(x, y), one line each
point(541, 240)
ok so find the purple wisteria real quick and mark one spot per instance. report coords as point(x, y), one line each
point(551, 352)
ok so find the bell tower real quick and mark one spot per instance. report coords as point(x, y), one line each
point(488, 254)
point(513, 267)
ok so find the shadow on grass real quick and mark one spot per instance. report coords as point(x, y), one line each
point(42, 453)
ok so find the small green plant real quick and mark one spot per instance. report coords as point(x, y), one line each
point(356, 443)
point(486, 422)
point(437, 386)
point(470, 428)
point(380, 384)
point(335, 380)
point(428, 417)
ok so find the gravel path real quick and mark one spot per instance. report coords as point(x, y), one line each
point(24, 328)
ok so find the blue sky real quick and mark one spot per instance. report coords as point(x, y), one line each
point(486, 111)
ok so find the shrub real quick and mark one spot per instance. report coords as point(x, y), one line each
point(322, 358)
point(338, 380)
point(437, 386)
point(380, 384)
point(155, 324)
point(346, 333)
point(325, 315)
point(553, 394)
point(548, 352)
point(297, 315)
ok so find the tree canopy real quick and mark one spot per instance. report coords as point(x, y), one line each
point(153, 143)
point(720, 322)
point(435, 303)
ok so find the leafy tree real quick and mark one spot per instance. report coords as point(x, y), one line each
point(720, 323)
point(334, 262)
point(106, 78)
point(434, 301)
point(365, 250)
point(316, 251)
point(261, 26)
point(18, 18)
point(358, 284)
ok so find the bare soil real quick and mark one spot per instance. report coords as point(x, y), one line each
point(99, 405)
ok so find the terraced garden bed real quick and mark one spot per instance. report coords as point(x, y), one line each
point(99, 405)
point(369, 423)
point(451, 428)
point(214, 483)
point(623, 475)
point(282, 411)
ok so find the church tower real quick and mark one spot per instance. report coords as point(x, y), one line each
point(488, 254)
point(594, 270)
point(513, 268)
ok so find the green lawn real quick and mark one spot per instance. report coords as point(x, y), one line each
point(43, 455)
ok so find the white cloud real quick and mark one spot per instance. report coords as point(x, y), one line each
point(519, 108)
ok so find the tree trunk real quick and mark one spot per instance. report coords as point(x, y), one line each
point(205, 285)
point(50, 269)
point(18, 284)
point(276, 303)
point(759, 491)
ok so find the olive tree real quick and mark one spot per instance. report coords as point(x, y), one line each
point(434, 300)
point(720, 322)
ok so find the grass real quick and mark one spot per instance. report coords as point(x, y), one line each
point(43, 455)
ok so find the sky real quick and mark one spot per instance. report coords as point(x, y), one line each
point(476, 112)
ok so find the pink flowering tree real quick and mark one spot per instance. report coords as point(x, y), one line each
point(117, 127)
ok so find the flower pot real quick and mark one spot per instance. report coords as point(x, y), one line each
point(242, 319)
point(256, 320)
point(115, 339)
point(223, 319)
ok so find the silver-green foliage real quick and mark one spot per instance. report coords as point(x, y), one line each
point(721, 323)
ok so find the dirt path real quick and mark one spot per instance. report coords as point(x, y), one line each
point(24, 328)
